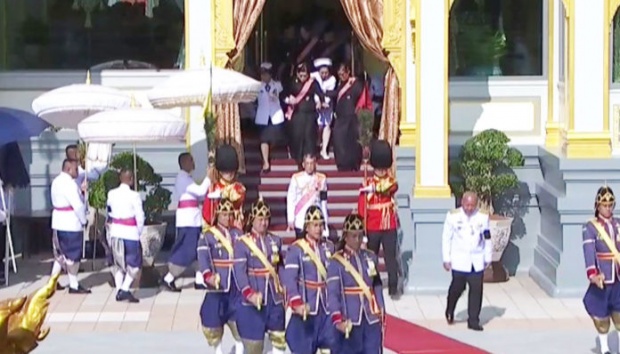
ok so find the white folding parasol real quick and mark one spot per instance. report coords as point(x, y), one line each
point(67, 106)
point(191, 88)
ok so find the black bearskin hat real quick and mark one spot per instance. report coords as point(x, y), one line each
point(604, 196)
point(352, 223)
point(381, 154)
point(313, 214)
point(226, 159)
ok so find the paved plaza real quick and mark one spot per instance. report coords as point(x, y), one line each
point(518, 317)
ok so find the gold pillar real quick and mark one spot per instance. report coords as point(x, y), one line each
point(223, 36)
point(395, 43)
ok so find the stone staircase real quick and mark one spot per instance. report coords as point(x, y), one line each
point(343, 188)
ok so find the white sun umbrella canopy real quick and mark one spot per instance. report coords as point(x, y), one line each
point(191, 88)
point(65, 107)
point(132, 126)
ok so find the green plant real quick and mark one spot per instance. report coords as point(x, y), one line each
point(485, 167)
point(157, 197)
point(34, 31)
point(366, 122)
point(478, 45)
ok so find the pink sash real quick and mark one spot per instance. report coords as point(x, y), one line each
point(345, 88)
point(300, 96)
point(306, 198)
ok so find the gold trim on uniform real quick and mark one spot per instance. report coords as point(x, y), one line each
point(213, 335)
point(278, 340)
point(253, 346)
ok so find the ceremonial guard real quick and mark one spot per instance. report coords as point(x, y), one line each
point(304, 279)
point(467, 250)
point(355, 292)
point(307, 188)
point(68, 220)
point(376, 203)
point(126, 220)
point(257, 265)
point(327, 82)
point(216, 260)
point(188, 223)
point(226, 187)
point(600, 250)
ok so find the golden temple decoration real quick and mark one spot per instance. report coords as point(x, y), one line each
point(224, 40)
point(21, 320)
point(394, 42)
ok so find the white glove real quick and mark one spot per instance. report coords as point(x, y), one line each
point(326, 232)
point(2, 216)
point(368, 189)
point(215, 194)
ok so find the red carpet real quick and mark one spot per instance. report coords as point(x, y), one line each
point(407, 338)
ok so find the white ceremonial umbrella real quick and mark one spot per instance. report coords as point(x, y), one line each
point(132, 126)
point(65, 107)
point(192, 87)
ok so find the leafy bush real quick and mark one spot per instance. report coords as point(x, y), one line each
point(485, 167)
point(157, 197)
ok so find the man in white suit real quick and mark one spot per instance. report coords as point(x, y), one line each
point(466, 242)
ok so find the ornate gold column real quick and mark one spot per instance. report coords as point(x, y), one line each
point(395, 43)
point(223, 36)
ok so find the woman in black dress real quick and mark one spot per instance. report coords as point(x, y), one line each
point(345, 134)
point(302, 113)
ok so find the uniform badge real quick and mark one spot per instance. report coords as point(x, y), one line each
point(372, 271)
point(306, 258)
point(275, 255)
point(328, 254)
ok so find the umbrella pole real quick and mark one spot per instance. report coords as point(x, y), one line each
point(86, 205)
point(135, 169)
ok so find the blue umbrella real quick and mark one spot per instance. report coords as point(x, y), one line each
point(17, 125)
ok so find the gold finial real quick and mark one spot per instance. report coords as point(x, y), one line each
point(88, 79)
point(134, 102)
point(23, 319)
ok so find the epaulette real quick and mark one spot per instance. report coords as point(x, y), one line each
point(296, 174)
point(321, 175)
point(454, 211)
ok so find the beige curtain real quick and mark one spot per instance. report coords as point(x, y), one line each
point(366, 19)
point(246, 13)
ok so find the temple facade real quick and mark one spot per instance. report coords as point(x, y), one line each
point(545, 73)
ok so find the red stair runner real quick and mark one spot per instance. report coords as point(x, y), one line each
point(404, 337)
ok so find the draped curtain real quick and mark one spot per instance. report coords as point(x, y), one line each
point(246, 13)
point(365, 17)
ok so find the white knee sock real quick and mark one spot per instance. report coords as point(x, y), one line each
point(218, 349)
point(277, 351)
point(118, 279)
point(238, 347)
point(602, 338)
point(56, 268)
point(127, 282)
point(169, 278)
point(73, 281)
point(198, 279)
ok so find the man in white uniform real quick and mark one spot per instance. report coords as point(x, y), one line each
point(188, 223)
point(306, 188)
point(467, 248)
point(73, 153)
point(68, 220)
point(126, 221)
point(327, 81)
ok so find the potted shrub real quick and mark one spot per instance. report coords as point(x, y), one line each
point(484, 166)
point(157, 200)
point(366, 121)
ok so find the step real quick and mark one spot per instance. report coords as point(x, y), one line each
point(252, 167)
point(328, 174)
point(331, 200)
point(283, 182)
point(281, 219)
point(333, 212)
point(331, 207)
point(276, 191)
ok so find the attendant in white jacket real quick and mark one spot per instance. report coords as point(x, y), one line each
point(467, 252)
point(327, 82)
point(126, 221)
point(269, 114)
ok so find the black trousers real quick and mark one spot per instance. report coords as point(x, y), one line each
point(473, 280)
point(388, 239)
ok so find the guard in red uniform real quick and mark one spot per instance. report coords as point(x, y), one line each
point(226, 187)
point(376, 203)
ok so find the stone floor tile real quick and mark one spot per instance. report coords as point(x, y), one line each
point(135, 316)
point(111, 316)
point(86, 317)
point(107, 326)
point(133, 326)
point(80, 327)
point(159, 326)
point(57, 317)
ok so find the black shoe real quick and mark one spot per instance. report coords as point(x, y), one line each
point(449, 317)
point(123, 295)
point(395, 296)
point(475, 327)
point(169, 286)
point(60, 287)
point(80, 290)
point(199, 286)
